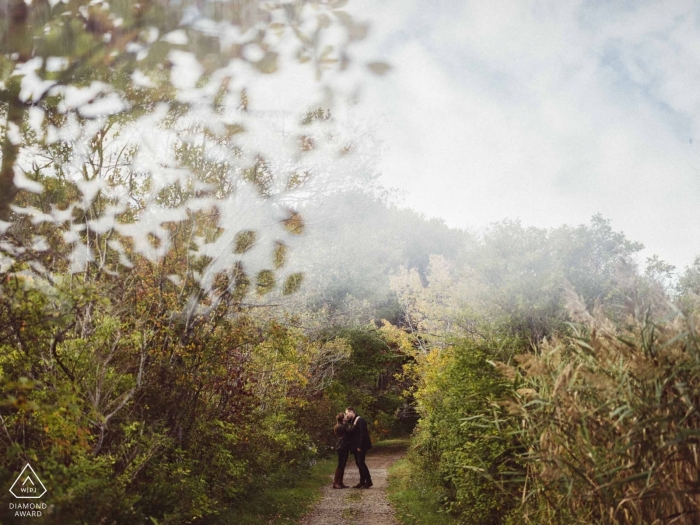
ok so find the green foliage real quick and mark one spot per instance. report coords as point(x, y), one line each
point(462, 441)
point(465, 320)
point(133, 376)
point(415, 501)
point(130, 413)
point(367, 381)
point(244, 241)
point(522, 272)
point(292, 283)
point(283, 503)
point(688, 287)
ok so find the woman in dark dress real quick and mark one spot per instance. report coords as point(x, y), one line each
point(343, 440)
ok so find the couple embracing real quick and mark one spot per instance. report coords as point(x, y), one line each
point(352, 436)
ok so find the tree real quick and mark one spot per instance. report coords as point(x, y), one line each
point(148, 205)
point(167, 88)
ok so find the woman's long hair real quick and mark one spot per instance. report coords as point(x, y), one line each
point(340, 418)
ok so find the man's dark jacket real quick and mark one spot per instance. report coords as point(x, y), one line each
point(360, 435)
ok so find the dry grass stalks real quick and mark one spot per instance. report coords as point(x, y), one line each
point(610, 419)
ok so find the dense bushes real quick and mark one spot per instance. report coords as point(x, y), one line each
point(532, 409)
point(597, 424)
point(128, 412)
point(463, 440)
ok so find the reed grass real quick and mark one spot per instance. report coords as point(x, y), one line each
point(609, 418)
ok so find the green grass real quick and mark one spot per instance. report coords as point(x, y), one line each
point(355, 495)
point(414, 504)
point(282, 505)
point(393, 443)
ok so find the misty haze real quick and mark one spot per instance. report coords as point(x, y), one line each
point(362, 262)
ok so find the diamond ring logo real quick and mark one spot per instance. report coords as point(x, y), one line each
point(27, 484)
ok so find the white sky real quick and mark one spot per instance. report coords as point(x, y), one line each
point(547, 111)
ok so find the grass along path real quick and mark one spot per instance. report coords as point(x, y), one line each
point(282, 504)
point(415, 502)
point(360, 506)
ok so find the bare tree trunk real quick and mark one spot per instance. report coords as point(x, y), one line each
point(18, 39)
point(8, 190)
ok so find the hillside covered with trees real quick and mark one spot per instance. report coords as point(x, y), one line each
point(193, 285)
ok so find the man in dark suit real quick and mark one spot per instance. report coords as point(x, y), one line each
point(361, 443)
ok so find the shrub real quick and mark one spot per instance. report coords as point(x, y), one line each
point(463, 438)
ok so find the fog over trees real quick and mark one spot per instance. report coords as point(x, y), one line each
point(201, 265)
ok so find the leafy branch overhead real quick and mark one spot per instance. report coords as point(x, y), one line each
point(147, 116)
point(155, 179)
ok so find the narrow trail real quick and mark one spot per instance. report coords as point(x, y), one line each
point(359, 506)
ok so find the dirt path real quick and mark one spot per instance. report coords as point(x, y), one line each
point(358, 506)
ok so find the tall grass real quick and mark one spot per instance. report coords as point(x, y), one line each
point(609, 418)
